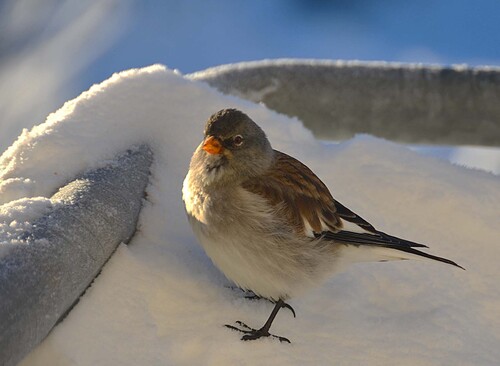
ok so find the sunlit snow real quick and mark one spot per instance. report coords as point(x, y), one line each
point(160, 301)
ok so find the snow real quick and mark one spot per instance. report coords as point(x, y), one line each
point(478, 157)
point(160, 301)
point(16, 217)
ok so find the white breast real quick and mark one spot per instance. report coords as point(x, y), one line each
point(244, 238)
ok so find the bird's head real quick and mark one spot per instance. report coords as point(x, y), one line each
point(234, 147)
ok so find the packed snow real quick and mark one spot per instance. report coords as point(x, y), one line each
point(160, 300)
point(477, 157)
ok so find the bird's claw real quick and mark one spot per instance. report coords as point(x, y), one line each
point(289, 307)
point(253, 334)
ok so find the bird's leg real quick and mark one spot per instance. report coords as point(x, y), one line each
point(251, 334)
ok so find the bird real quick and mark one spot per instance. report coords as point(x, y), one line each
point(269, 223)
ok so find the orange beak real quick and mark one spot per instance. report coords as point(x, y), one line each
point(213, 146)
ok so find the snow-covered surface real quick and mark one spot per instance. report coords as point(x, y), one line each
point(160, 301)
point(478, 157)
point(47, 262)
point(17, 217)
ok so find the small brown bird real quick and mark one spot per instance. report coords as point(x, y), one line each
point(268, 222)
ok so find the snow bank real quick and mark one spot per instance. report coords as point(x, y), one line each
point(160, 300)
point(60, 244)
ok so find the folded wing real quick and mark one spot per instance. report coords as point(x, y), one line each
point(306, 203)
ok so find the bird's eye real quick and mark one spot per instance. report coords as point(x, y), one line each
point(238, 140)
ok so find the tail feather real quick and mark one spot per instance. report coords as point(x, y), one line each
point(378, 238)
point(380, 247)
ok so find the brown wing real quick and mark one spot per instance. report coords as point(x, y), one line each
point(303, 197)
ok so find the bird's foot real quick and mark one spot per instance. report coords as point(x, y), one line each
point(252, 334)
point(289, 307)
point(252, 296)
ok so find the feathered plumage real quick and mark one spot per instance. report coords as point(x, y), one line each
point(268, 222)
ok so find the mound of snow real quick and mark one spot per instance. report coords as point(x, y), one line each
point(160, 300)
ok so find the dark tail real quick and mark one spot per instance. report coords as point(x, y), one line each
point(383, 241)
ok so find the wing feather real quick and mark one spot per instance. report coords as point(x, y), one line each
point(301, 196)
point(308, 205)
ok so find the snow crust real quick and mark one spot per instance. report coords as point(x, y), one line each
point(17, 217)
point(160, 301)
point(328, 62)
